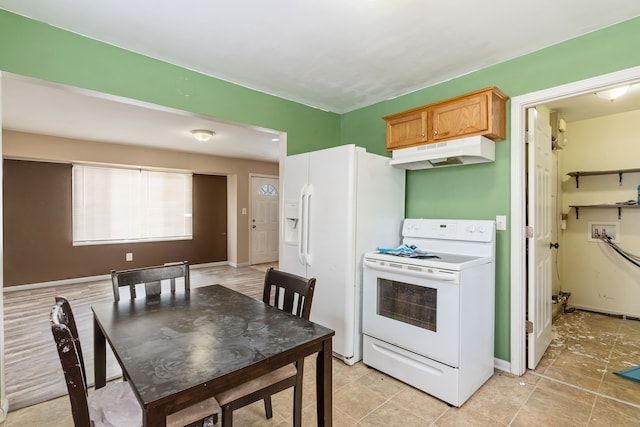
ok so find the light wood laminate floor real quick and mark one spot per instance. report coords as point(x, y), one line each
point(32, 367)
point(574, 384)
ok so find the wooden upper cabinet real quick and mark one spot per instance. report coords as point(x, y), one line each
point(407, 129)
point(482, 112)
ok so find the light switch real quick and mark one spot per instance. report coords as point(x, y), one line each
point(501, 222)
point(244, 211)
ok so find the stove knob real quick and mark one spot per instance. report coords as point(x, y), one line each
point(471, 228)
point(481, 229)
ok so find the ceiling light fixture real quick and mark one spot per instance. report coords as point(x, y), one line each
point(613, 94)
point(202, 135)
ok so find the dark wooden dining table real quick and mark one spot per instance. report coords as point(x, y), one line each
point(180, 349)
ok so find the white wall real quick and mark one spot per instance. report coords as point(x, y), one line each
point(598, 278)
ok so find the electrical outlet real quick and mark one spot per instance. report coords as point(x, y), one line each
point(128, 256)
point(596, 231)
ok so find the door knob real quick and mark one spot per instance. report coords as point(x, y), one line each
point(554, 245)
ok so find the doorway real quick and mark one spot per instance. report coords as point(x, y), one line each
point(518, 277)
point(265, 200)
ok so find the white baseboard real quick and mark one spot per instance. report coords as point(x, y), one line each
point(62, 282)
point(76, 280)
point(209, 264)
point(502, 365)
point(240, 264)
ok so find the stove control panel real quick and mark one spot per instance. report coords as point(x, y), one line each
point(457, 229)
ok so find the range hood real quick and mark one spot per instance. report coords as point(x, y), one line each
point(463, 151)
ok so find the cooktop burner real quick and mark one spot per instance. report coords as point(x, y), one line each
point(449, 244)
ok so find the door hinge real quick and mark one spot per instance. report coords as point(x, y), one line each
point(528, 231)
point(529, 327)
point(526, 137)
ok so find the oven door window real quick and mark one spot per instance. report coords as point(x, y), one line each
point(407, 303)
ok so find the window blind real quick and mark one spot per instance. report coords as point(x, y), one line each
point(112, 205)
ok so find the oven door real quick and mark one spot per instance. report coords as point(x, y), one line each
point(415, 308)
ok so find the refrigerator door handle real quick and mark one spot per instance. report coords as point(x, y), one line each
point(305, 224)
point(301, 223)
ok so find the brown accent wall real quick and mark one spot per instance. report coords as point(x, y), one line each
point(47, 148)
point(38, 228)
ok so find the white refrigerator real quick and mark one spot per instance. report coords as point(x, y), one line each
point(338, 203)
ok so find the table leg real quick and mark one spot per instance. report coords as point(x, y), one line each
point(99, 356)
point(324, 391)
point(153, 418)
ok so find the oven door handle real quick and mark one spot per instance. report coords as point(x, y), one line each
point(441, 276)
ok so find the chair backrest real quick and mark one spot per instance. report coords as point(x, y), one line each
point(293, 294)
point(151, 277)
point(65, 335)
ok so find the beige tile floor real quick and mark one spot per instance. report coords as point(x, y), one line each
point(574, 385)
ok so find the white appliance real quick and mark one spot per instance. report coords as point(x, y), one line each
point(430, 321)
point(338, 204)
point(461, 151)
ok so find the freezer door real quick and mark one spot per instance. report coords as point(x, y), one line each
point(296, 178)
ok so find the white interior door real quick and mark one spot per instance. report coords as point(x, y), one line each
point(539, 220)
point(264, 219)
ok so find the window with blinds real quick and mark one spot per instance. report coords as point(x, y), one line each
point(112, 205)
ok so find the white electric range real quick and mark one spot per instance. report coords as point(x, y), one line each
point(429, 320)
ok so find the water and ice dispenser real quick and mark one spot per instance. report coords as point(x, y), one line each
point(291, 222)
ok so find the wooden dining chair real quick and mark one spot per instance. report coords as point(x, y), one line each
point(292, 294)
point(151, 278)
point(114, 404)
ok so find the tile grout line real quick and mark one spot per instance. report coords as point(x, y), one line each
point(595, 393)
point(604, 374)
point(523, 403)
point(435, 422)
point(382, 404)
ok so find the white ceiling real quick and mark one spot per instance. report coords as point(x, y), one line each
point(335, 55)
point(590, 105)
point(35, 106)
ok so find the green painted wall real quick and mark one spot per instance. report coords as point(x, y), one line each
point(483, 191)
point(35, 49)
point(474, 191)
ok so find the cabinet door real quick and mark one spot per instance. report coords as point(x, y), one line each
point(463, 117)
point(407, 130)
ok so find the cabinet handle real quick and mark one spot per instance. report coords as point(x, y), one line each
point(435, 132)
point(422, 135)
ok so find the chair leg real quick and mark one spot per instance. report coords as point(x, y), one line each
point(297, 406)
point(267, 407)
point(297, 395)
point(227, 416)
